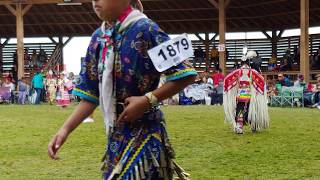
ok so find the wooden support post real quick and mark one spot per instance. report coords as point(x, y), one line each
point(222, 34)
point(60, 46)
point(304, 40)
point(20, 43)
point(274, 42)
point(207, 45)
point(19, 12)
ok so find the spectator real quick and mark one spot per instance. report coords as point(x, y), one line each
point(284, 81)
point(316, 60)
point(217, 95)
point(256, 63)
point(38, 85)
point(286, 63)
point(217, 76)
point(237, 65)
point(317, 93)
point(296, 54)
point(8, 84)
point(34, 58)
point(209, 80)
point(271, 90)
point(300, 81)
point(42, 58)
point(214, 57)
point(272, 63)
point(199, 56)
point(23, 91)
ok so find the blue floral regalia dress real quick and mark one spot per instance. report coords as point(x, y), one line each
point(139, 150)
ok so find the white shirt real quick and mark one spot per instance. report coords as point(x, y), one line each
point(10, 85)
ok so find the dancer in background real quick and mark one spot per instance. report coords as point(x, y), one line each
point(63, 99)
point(245, 98)
point(51, 83)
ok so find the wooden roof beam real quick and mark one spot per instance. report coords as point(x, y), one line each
point(14, 11)
point(267, 35)
point(214, 3)
point(226, 5)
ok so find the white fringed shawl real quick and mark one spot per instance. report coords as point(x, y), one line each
point(258, 116)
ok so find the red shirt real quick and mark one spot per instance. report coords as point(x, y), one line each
point(216, 78)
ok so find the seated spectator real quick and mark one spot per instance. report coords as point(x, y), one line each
point(237, 64)
point(42, 58)
point(23, 88)
point(8, 84)
point(296, 54)
point(214, 57)
point(317, 93)
point(286, 63)
point(315, 64)
point(256, 62)
point(34, 58)
point(284, 81)
point(300, 82)
point(199, 56)
point(309, 87)
point(271, 90)
point(272, 63)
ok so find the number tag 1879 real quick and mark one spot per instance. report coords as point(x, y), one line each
point(171, 53)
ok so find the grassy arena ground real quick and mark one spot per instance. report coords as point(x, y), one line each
point(205, 146)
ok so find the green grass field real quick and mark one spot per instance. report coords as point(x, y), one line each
point(205, 146)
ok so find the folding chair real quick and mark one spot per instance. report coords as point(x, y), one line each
point(298, 95)
point(276, 100)
point(287, 96)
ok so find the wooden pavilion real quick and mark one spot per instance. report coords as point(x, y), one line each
point(69, 18)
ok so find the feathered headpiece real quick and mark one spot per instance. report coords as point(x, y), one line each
point(249, 55)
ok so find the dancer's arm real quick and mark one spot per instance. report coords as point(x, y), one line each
point(82, 111)
point(137, 105)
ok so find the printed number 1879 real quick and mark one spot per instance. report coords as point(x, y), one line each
point(171, 50)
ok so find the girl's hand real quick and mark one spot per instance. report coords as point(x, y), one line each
point(135, 107)
point(56, 143)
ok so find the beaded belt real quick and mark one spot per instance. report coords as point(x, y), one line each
point(120, 108)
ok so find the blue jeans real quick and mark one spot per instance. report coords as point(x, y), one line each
point(39, 91)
